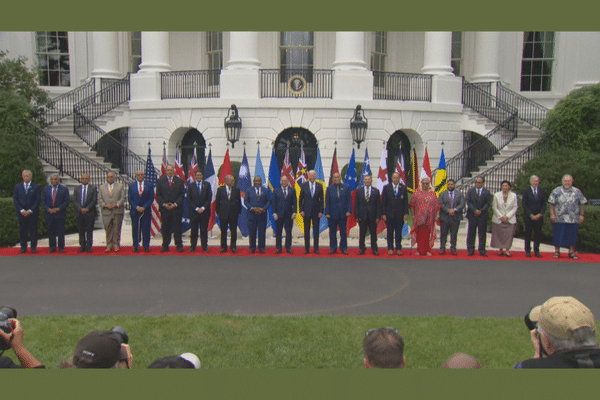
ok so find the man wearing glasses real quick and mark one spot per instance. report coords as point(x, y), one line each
point(383, 348)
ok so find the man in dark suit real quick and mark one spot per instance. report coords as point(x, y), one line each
point(27, 197)
point(284, 213)
point(534, 206)
point(478, 201)
point(452, 204)
point(55, 199)
point(140, 196)
point(257, 201)
point(170, 190)
point(367, 211)
point(85, 198)
point(311, 209)
point(228, 208)
point(394, 211)
point(199, 196)
point(338, 207)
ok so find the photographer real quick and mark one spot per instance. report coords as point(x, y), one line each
point(563, 335)
point(14, 340)
point(102, 349)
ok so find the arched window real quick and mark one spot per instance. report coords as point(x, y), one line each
point(193, 138)
point(295, 139)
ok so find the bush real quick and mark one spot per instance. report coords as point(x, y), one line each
point(9, 234)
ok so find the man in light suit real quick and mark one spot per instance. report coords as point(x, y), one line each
point(85, 198)
point(478, 201)
point(452, 204)
point(27, 197)
point(338, 207)
point(111, 199)
point(140, 196)
point(534, 206)
point(55, 199)
point(199, 196)
point(284, 213)
point(311, 206)
point(228, 208)
point(257, 201)
point(367, 211)
point(394, 210)
point(170, 190)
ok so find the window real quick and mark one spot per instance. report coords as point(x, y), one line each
point(457, 53)
point(378, 56)
point(536, 65)
point(52, 51)
point(214, 54)
point(135, 57)
point(296, 54)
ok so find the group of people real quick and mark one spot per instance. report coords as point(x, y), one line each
point(370, 206)
point(562, 332)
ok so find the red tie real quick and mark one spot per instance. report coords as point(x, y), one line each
point(170, 182)
point(53, 196)
point(140, 189)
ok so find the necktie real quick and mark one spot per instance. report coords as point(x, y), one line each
point(140, 189)
point(312, 189)
point(396, 191)
point(285, 193)
point(27, 188)
point(452, 199)
point(83, 195)
point(338, 190)
point(110, 189)
point(257, 193)
point(199, 187)
point(535, 193)
point(170, 182)
point(228, 193)
point(53, 196)
point(368, 194)
point(479, 192)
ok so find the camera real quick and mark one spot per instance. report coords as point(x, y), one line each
point(119, 332)
point(7, 326)
point(531, 325)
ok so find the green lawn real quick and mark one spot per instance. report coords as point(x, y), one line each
point(265, 342)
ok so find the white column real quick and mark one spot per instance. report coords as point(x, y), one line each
point(487, 50)
point(438, 53)
point(105, 53)
point(155, 52)
point(240, 79)
point(351, 78)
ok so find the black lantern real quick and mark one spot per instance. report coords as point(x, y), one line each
point(358, 126)
point(233, 125)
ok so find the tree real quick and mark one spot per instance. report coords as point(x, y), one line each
point(575, 120)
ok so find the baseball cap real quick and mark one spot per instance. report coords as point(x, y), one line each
point(98, 349)
point(560, 316)
point(192, 359)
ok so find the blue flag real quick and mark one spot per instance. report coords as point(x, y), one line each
point(351, 181)
point(366, 168)
point(259, 171)
point(244, 183)
point(274, 183)
point(323, 224)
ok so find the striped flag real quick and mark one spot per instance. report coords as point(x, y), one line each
point(301, 177)
point(274, 183)
point(225, 170)
point(441, 183)
point(334, 166)
point(324, 222)
point(400, 168)
point(151, 178)
point(211, 177)
point(244, 183)
point(351, 180)
point(426, 170)
point(382, 180)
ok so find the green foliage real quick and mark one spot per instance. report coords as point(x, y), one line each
point(9, 234)
point(575, 120)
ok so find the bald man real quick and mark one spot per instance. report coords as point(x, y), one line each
point(461, 361)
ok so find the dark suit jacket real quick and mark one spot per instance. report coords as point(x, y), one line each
point(62, 201)
point(228, 209)
point(311, 206)
point(531, 206)
point(337, 207)
point(27, 201)
point(90, 201)
point(250, 201)
point(458, 204)
point(135, 200)
point(170, 194)
point(367, 211)
point(199, 200)
point(284, 207)
point(392, 206)
point(475, 202)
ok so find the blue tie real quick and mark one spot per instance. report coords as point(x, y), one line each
point(199, 183)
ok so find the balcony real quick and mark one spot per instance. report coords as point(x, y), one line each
point(305, 83)
point(190, 84)
point(401, 86)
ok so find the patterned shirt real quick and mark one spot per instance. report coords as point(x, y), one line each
point(566, 204)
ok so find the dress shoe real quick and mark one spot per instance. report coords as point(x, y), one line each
point(22, 251)
point(471, 253)
point(205, 249)
point(117, 248)
point(399, 252)
point(147, 249)
point(332, 251)
point(454, 253)
point(81, 250)
point(508, 254)
point(233, 250)
point(442, 252)
point(316, 251)
point(136, 249)
point(528, 254)
point(89, 249)
point(61, 250)
point(33, 251)
point(305, 251)
point(289, 251)
point(390, 252)
point(164, 249)
point(278, 251)
point(537, 254)
point(108, 249)
point(252, 251)
point(191, 249)
point(51, 251)
point(261, 251)
point(376, 252)
point(179, 250)
point(345, 252)
point(483, 253)
point(361, 252)
point(223, 250)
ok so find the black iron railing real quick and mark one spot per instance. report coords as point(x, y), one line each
point(317, 83)
point(401, 86)
point(529, 111)
point(69, 161)
point(190, 84)
point(491, 107)
point(62, 106)
point(105, 100)
point(509, 168)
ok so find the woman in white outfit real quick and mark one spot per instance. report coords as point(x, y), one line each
point(504, 219)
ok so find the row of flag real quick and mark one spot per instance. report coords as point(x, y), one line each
point(244, 181)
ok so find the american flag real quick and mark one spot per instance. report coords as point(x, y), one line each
point(151, 179)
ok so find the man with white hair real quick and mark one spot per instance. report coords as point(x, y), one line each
point(534, 207)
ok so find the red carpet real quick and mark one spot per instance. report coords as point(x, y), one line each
point(298, 252)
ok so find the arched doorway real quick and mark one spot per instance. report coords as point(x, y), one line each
point(111, 148)
point(398, 140)
point(193, 139)
point(296, 139)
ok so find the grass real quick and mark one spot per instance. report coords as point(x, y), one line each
point(224, 341)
